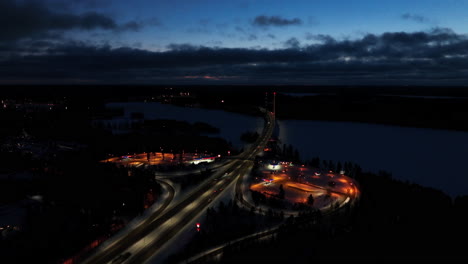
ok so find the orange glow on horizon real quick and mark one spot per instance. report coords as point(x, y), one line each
point(209, 77)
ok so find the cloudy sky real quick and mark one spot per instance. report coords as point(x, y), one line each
point(305, 42)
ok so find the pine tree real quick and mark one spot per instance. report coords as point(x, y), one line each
point(281, 192)
point(310, 200)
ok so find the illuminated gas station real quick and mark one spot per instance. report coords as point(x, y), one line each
point(300, 181)
point(160, 158)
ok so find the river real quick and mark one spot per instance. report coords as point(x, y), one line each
point(433, 158)
point(231, 125)
point(430, 157)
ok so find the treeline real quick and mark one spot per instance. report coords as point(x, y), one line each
point(192, 179)
point(176, 144)
point(288, 152)
point(275, 201)
point(249, 136)
point(232, 100)
point(82, 203)
point(75, 124)
point(167, 126)
point(225, 223)
point(351, 169)
point(442, 113)
point(279, 203)
point(71, 124)
point(392, 221)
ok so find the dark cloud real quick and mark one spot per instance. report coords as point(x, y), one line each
point(132, 26)
point(87, 21)
point(319, 37)
point(416, 18)
point(216, 42)
point(265, 21)
point(138, 25)
point(252, 37)
point(30, 19)
point(82, 3)
point(438, 55)
point(69, 5)
point(292, 43)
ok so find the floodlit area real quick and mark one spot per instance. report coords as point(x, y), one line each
point(299, 182)
point(160, 158)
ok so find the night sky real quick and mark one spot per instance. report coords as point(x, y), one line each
point(304, 42)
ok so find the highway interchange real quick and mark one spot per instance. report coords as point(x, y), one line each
point(148, 237)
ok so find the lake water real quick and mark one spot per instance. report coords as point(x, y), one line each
point(433, 158)
point(231, 125)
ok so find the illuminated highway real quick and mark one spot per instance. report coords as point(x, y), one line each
point(145, 240)
point(346, 190)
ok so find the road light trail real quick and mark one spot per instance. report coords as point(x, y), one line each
point(235, 167)
point(242, 168)
point(113, 247)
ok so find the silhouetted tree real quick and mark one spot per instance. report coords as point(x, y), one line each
point(339, 167)
point(290, 151)
point(270, 213)
point(296, 155)
point(281, 192)
point(221, 207)
point(315, 162)
point(310, 200)
point(324, 164)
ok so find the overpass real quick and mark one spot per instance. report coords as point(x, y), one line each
point(183, 212)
